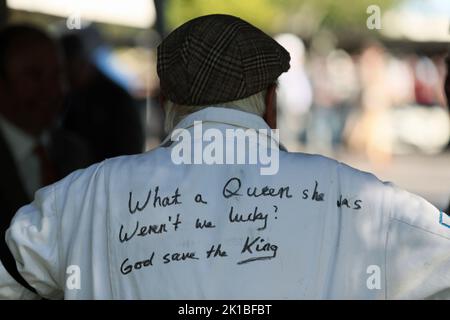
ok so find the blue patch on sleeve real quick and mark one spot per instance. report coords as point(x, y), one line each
point(446, 219)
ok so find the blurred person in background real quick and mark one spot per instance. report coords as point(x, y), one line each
point(420, 123)
point(98, 109)
point(294, 92)
point(323, 118)
point(426, 82)
point(344, 85)
point(400, 81)
point(34, 152)
point(372, 132)
point(335, 87)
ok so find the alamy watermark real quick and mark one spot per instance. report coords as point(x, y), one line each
point(373, 281)
point(73, 21)
point(236, 146)
point(374, 19)
point(73, 281)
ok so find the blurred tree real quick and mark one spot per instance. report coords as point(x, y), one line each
point(261, 13)
point(299, 16)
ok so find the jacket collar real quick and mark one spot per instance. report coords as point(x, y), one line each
point(223, 116)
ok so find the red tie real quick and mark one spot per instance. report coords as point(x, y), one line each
point(48, 171)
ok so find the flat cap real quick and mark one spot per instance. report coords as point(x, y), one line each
point(218, 58)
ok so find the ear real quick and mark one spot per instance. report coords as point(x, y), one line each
point(270, 115)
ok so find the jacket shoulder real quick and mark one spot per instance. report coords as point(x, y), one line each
point(320, 163)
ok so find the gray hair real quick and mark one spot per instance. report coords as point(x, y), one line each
point(175, 113)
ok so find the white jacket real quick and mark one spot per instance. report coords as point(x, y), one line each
point(319, 230)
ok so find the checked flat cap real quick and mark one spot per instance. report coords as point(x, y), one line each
point(218, 58)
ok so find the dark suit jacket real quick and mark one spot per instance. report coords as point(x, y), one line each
point(68, 153)
point(12, 191)
point(104, 114)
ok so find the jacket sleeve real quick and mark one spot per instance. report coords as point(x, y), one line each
point(417, 249)
point(33, 241)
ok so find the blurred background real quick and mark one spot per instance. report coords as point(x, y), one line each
point(365, 84)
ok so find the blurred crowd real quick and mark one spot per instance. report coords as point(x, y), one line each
point(58, 112)
point(371, 100)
